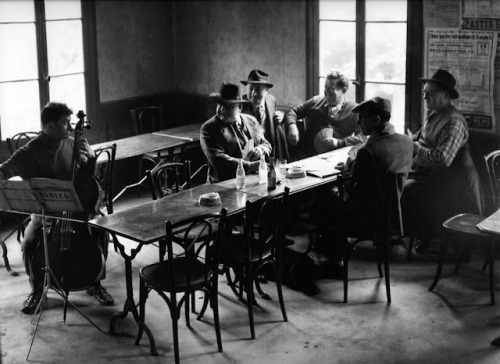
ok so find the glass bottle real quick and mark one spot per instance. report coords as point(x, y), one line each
point(240, 175)
point(271, 175)
point(262, 170)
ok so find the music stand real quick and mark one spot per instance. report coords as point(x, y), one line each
point(41, 196)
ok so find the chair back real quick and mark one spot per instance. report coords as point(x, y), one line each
point(105, 161)
point(194, 236)
point(146, 119)
point(161, 176)
point(493, 168)
point(388, 218)
point(20, 139)
point(264, 223)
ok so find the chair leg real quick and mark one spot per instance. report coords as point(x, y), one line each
point(175, 314)
point(379, 261)
point(214, 300)
point(187, 296)
point(386, 247)
point(143, 294)
point(459, 256)
point(250, 298)
point(5, 258)
point(444, 248)
point(280, 291)
point(410, 248)
point(491, 263)
point(346, 257)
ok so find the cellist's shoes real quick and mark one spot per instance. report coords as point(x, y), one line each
point(31, 302)
point(101, 294)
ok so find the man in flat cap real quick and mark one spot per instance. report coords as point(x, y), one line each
point(230, 135)
point(384, 152)
point(442, 166)
point(262, 106)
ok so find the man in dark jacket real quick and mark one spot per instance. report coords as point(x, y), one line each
point(229, 136)
point(262, 106)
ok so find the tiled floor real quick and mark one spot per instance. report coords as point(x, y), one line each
point(453, 325)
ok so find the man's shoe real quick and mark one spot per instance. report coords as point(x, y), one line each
point(31, 302)
point(101, 294)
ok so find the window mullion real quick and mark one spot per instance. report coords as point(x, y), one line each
point(360, 49)
point(41, 38)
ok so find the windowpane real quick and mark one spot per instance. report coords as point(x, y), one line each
point(337, 10)
point(337, 48)
point(65, 47)
point(394, 10)
point(19, 107)
point(67, 9)
point(396, 94)
point(17, 11)
point(69, 90)
point(386, 52)
point(18, 63)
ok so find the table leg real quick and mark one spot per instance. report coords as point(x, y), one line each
point(130, 305)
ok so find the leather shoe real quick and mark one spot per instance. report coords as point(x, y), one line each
point(101, 295)
point(422, 245)
point(31, 302)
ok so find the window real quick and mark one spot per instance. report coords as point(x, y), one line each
point(366, 41)
point(42, 58)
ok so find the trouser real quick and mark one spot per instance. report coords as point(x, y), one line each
point(29, 244)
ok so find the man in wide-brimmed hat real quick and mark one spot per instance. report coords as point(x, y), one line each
point(331, 123)
point(230, 135)
point(262, 105)
point(442, 166)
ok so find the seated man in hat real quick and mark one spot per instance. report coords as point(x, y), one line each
point(262, 106)
point(229, 136)
point(441, 158)
point(384, 152)
point(331, 124)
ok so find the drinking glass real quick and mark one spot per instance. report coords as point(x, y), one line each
point(280, 166)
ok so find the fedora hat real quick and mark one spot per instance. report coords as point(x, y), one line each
point(376, 105)
point(445, 80)
point(258, 77)
point(228, 93)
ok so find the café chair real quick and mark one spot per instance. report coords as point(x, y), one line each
point(463, 227)
point(164, 178)
point(14, 143)
point(193, 267)
point(148, 119)
point(386, 222)
point(105, 162)
point(259, 245)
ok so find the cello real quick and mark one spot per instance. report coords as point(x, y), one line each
point(75, 255)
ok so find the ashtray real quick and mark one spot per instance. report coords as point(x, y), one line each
point(295, 172)
point(210, 199)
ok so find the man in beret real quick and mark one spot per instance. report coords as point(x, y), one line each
point(442, 166)
point(229, 136)
point(384, 152)
point(331, 124)
point(262, 105)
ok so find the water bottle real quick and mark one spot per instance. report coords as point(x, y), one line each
point(240, 175)
point(262, 170)
point(271, 175)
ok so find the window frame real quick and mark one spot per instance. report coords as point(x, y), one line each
point(414, 62)
point(92, 95)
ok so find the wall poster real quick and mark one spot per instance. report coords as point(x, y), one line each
point(469, 56)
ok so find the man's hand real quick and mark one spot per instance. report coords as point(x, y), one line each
point(85, 151)
point(293, 134)
point(331, 144)
point(278, 116)
point(255, 154)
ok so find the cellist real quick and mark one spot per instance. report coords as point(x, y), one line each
point(50, 155)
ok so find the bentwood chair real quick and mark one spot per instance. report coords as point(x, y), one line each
point(194, 267)
point(259, 245)
point(105, 161)
point(463, 228)
point(14, 143)
point(385, 222)
point(164, 178)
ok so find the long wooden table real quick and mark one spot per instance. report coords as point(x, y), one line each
point(145, 223)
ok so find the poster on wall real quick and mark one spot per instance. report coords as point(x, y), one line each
point(469, 56)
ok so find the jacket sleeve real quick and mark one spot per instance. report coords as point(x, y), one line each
point(299, 112)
